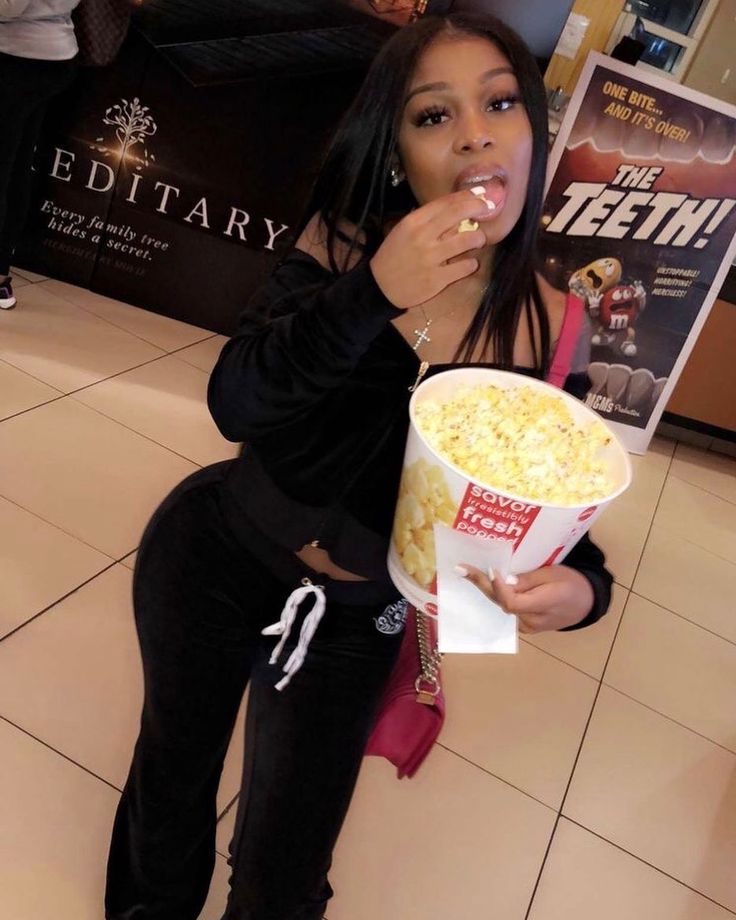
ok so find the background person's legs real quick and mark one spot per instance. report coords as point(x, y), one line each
point(26, 86)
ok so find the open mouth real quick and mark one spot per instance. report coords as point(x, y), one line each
point(594, 279)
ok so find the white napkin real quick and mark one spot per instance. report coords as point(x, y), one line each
point(468, 620)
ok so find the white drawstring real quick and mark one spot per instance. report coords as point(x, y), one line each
point(309, 627)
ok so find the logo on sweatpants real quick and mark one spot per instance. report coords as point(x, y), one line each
point(393, 618)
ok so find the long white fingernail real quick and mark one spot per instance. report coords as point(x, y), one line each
point(480, 192)
point(461, 571)
point(512, 580)
point(491, 573)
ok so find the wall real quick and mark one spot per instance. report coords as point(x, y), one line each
point(705, 391)
point(716, 56)
point(602, 15)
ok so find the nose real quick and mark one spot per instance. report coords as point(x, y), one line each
point(474, 134)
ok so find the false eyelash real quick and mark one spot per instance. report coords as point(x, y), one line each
point(513, 98)
point(431, 110)
point(421, 119)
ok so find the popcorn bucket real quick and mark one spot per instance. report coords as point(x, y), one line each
point(435, 491)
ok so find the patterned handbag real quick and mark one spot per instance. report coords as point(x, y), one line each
point(412, 710)
point(101, 27)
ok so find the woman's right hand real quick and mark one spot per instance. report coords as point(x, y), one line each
point(423, 254)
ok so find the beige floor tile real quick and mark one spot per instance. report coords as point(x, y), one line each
point(586, 649)
point(19, 391)
point(442, 841)
point(622, 530)
point(232, 771)
point(18, 280)
point(73, 679)
point(521, 717)
point(217, 898)
point(27, 274)
point(129, 561)
point(225, 829)
point(683, 577)
point(713, 472)
point(698, 516)
point(203, 355)
point(585, 878)
point(56, 830)
point(166, 401)
point(677, 668)
point(661, 792)
point(86, 474)
point(650, 472)
point(621, 533)
point(452, 842)
point(65, 346)
point(162, 331)
point(27, 587)
point(56, 822)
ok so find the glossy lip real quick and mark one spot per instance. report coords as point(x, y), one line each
point(479, 175)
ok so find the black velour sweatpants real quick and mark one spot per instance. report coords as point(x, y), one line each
point(202, 595)
point(26, 86)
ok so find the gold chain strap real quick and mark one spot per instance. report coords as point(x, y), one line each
point(427, 683)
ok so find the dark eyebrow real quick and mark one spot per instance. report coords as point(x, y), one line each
point(439, 87)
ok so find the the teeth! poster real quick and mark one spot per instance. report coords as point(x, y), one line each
point(640, 222)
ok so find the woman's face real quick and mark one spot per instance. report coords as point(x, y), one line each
point(464, 125)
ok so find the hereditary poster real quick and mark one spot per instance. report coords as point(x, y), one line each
point(639, 222)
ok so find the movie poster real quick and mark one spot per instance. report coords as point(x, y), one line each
point(175, 178)
point(639, 222)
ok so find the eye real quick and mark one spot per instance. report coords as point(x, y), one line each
point(434, 115)
point(502, 103)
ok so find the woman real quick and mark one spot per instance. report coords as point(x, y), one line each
point(37, 51)
point(316, 383)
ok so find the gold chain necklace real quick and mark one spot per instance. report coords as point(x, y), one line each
point(423, 336)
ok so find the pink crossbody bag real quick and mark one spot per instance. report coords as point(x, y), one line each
point(412, 710)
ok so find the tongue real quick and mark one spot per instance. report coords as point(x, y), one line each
point(493, 191)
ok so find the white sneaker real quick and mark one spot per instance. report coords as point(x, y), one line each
point(7, 298)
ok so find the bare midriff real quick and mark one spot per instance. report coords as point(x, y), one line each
point(319, 560)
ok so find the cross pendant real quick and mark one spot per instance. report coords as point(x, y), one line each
point(421, 335)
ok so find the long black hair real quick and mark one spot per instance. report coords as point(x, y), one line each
point(353, 188)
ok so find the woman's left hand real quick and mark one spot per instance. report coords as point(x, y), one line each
point(549, 598)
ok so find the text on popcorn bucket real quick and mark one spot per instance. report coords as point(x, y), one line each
point(486, 514)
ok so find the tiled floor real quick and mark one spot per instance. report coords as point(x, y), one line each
point(591, 777)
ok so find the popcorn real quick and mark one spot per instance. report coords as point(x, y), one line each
point(467, 225)
point(520, 441)
point(424, 498)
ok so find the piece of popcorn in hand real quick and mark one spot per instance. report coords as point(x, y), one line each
point(467, 225)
